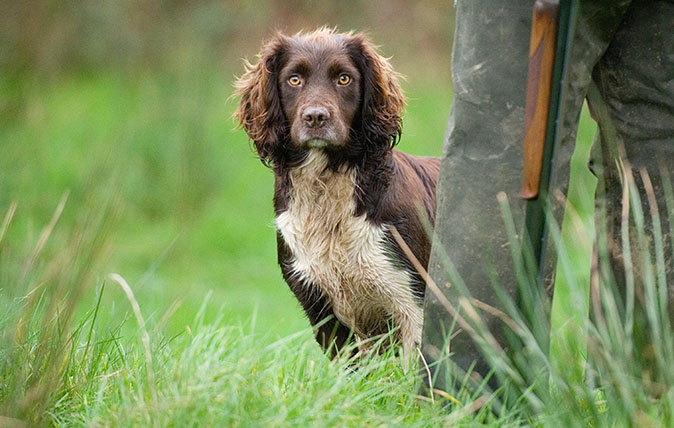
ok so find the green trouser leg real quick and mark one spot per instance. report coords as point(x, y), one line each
point(483, 156)
point(635, 81)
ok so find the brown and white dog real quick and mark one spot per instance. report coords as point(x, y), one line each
point(324, 112)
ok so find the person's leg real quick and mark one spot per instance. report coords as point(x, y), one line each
point(482, 156)
point(635, 81)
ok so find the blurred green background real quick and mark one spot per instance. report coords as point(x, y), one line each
point(125, 106)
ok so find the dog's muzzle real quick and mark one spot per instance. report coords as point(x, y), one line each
point(317, 128)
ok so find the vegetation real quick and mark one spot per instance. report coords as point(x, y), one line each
point(138, 277)
point(147, 178)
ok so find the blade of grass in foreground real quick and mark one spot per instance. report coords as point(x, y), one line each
point(41, 337)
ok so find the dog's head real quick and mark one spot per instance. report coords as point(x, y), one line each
point(323, 90)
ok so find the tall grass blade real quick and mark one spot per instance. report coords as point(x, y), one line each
point(144, 336)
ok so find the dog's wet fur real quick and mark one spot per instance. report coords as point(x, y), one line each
point(323, 110)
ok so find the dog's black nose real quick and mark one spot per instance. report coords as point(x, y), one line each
point(315, 117)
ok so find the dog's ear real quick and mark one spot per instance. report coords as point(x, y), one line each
point(383, 101)
point(259, 111)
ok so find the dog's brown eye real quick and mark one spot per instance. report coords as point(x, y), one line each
point(294, 80)
point(344, 79)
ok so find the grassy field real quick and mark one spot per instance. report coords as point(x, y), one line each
point(148, 178)
point(143, 175)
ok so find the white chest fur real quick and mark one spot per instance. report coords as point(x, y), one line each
point(345, 255)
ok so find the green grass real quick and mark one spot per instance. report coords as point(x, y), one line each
point(570, 306)
point(178, 204)
point(156, 185)
point(222, 375)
